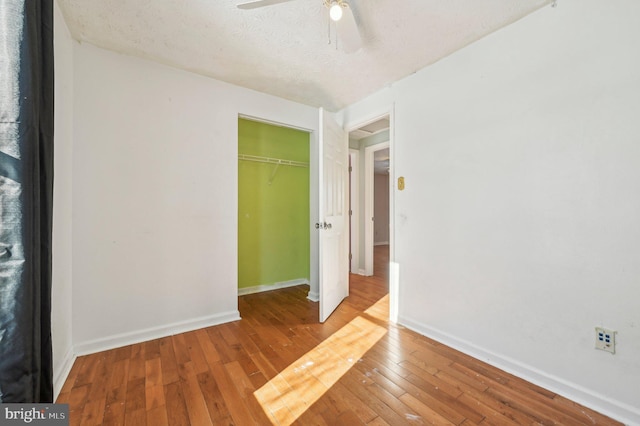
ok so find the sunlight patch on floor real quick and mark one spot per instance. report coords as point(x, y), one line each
point(289, 394)
point(380, 309)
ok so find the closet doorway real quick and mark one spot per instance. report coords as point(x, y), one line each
point(273, 207)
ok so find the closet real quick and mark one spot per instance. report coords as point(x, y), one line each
point(273, 206)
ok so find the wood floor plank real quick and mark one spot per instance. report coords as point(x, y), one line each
point(579, 412)
point(409, 416)
point(114, 414)
point(175, 406)
point(216, 406)
point(243, 338)
point(157, 416)
point(153, 384)
point(194, 400)
point(77, 401)
point(321, 413)
point(461, 381)
point(280, 366)
point(226, 353)
point(136, 362)
point(136, 396)
point(152, 349)
point(348, 418)
point(196, 354)
point(491, 416)
point(168, 361)
point(123, 352)
point(253, 372)
point(372, 401)
point(232, 398)
point(429, 415)
point(511, 413)
point(377, 355)
point(429, 360)
point(70, 382)
point(371, 370)
point(93, 412)
point(209, 350)
point(379, 421)
point(344, 400)
point(154, 397)
point(247, 387)
point(135, 418)
point(427, 380)
point(153, 372)
point(264, 365)
point(544, 413)
point(449, 407)
point(88, 370)
point(314, 419)
point(119, 376)
point(180, 348)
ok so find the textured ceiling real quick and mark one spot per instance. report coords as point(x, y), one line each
point(283, 49)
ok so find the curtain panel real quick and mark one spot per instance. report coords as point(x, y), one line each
point(26, 193)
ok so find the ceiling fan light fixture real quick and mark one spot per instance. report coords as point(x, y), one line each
point(335, 11)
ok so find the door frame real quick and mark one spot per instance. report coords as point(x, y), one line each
point(314, 264)
point(354, 197)
point(394, 269)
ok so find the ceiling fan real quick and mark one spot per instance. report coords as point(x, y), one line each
point(339, 12)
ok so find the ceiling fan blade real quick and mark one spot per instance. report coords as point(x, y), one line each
point(259, 3)
point(348, 31)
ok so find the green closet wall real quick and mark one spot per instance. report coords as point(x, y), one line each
point(273, 219)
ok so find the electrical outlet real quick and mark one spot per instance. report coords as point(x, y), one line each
point(606, 340)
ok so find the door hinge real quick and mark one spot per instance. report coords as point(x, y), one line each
point(350, 169)
point(350, 256)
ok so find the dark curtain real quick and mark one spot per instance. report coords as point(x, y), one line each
point(26, 191)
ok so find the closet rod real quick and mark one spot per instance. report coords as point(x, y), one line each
point(269, 160)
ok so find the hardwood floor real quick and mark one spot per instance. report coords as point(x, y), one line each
point(278, 365)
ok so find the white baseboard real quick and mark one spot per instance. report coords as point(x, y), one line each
point(381, 243)
point(274, 286)
point(600, 403)
point(362, 272)
point(314, 296)
point(61, 374)
point(119, 340)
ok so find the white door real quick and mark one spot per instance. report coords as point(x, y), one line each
point(334, 209)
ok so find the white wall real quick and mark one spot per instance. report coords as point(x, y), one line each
point(518, 232)
point(62, 200)
point(155, 196)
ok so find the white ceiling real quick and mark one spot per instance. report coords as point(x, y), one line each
point(370, 129)
point(283, 49)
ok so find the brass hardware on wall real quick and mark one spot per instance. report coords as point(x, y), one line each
point(400, 183)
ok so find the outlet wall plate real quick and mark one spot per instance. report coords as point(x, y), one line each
point(606, 340)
